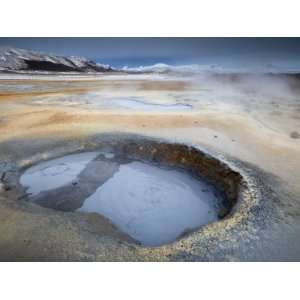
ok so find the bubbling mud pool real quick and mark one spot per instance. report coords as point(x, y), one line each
point(153, 204)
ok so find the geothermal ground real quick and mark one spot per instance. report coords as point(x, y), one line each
point(249, 122)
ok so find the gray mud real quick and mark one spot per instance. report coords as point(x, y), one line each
point(260, 223)
point(153, 205)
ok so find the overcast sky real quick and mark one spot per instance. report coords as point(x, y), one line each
point(174, 50)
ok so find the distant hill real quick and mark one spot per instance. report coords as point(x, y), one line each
point(22, 61)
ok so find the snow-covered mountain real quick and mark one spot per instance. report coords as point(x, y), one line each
point(165, 68)
point(21, 60)
point(213, 69)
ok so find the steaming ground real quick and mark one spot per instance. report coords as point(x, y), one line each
point(254, 118)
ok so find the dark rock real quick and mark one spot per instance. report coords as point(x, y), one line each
point(20, 60)
point(295, 135)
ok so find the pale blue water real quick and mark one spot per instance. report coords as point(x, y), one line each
point(55, 173)
point(153, 205)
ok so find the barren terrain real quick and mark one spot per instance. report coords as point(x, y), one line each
point(255, 119)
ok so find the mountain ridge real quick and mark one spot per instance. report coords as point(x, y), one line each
point(20, 60)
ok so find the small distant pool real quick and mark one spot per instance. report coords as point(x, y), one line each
point(147, 106)
point(103, 102)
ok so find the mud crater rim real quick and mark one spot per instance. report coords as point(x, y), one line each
point(184, 158)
